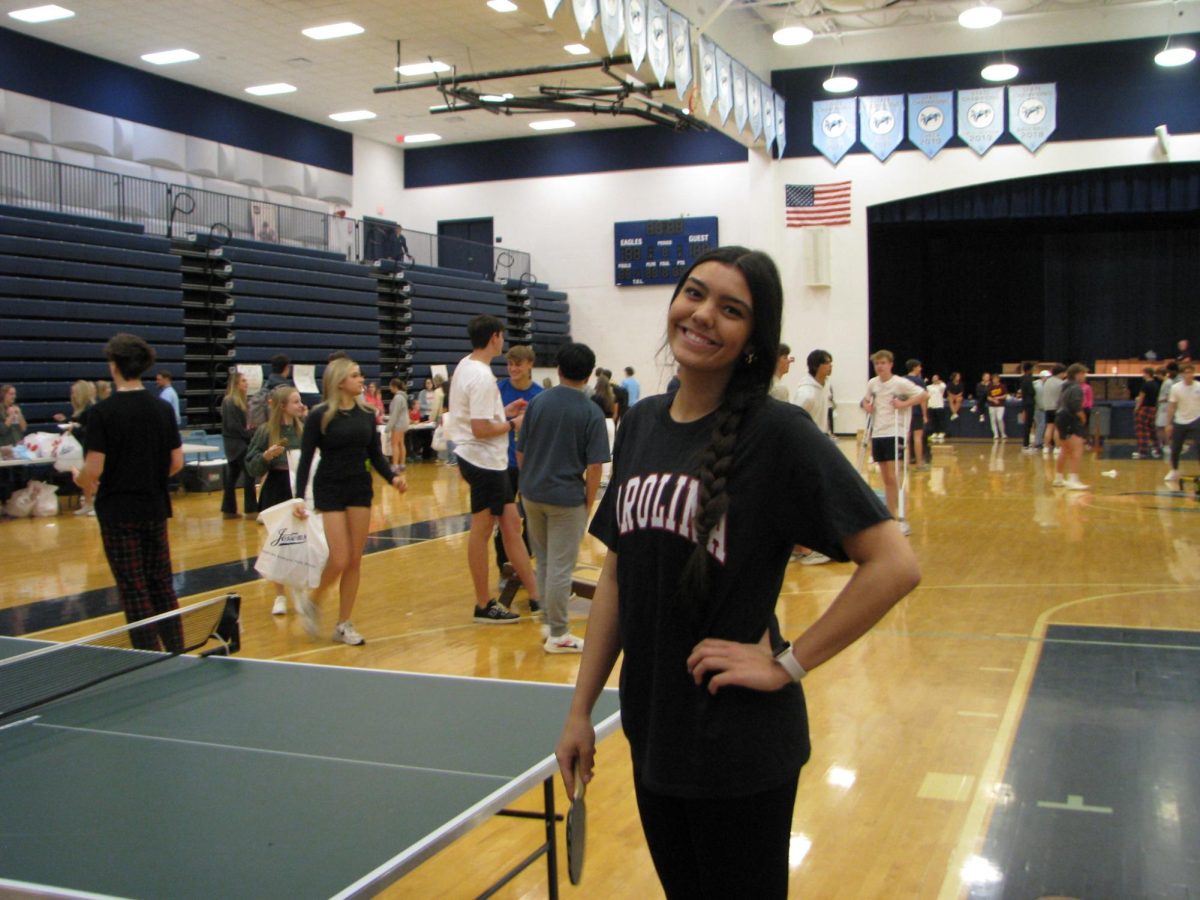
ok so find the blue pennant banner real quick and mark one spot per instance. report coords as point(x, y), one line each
point(768, 114)
point(635, 31)
point(708, 74)
point(552, 8)
point(754, 102)
point(881, 123)
point(612, 23)
point(658, 40)
point(780, 126)
point(1032, 113)
point(585, 14)
point(981, 117)
point(834, 127)
point(681, 52)
point(740, 112)
point(931, 121)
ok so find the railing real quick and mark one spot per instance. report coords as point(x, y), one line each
point(175, 210)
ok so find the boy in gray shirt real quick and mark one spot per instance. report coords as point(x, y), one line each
point(561, 448)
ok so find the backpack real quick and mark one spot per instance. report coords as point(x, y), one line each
point(258, 406)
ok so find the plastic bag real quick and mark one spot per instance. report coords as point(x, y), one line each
point(440, 442)
point(295, 550)
point(20, 504)
point(293, 461)
point(41, 444)
point(69, 454)
point(45, 501)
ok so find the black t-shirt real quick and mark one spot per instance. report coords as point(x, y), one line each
point(1026, 389)
point(349, 441)
point(789, 485)
point(136, 432)
point(1149, 391)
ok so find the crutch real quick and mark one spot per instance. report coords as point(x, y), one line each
point(864, 454)
point(904, 478)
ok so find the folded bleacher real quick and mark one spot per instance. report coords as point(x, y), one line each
point(67, 284)
point(443, 302)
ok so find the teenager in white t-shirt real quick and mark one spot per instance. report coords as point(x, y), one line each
point(887, 398)
point(479, 425)
point(1183, 416)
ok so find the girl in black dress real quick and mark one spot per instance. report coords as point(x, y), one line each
point(343, 429)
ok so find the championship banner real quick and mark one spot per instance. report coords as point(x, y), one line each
point(754, 102)
point(834, 127)
point(635, 31)
point(931, 121)
point(739, 95)
point(981, 117)
point(552, 8)
point(881, 123)
point(681, 52)
point(724, 85)
point(780, 126)
point(658, 39)
point(585, 14)
point(612, 23)
point(768, 114)
point(708, 74)
point(1032, 113)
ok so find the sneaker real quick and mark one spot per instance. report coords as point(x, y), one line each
point(1046, 451)
point(280, 606)
point(1074, 484)
point(1173, 475)
point(814, 559)
point(905, 528)
point(1058, 451)
point(535, 608)
point(348, 634)
point(85, 509)
point(567, 643)
point(1135, 455)
point(1058, 481)
point(495, 614)
point(308, 613)
point(545, 631)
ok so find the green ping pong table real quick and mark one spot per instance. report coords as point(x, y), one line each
point(223, 777)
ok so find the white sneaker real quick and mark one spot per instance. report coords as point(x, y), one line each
point(308, 613)
point(566, 643)
point(1135, 455)
point(1058, 451)
point(905, 528)
point(1058, 482)
point(348, 634)
point(85, 509)
point(1074, 484)
point(1046, 451)
point(1173, 475)
point(280, 606)
point(814, 559)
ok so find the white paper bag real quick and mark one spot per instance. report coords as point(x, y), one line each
point(294, 551)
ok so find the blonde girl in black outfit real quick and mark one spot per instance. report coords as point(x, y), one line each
point(711, 488)
point(236, 432)
point(266, 458)
point(343, 429)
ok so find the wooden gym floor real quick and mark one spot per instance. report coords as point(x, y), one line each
point(1055, 635)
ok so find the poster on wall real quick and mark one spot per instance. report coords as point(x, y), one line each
point(835, 127)
point(708, 74)
point(724, 85)
point(780, 126)
point(981, 117)
point(585, 14)
point(768, 114)
point(881, 123)
point(740, 113)
point(612, 23)
point(681, 52)
point(754, 103)
point(931, 121)
point(635, 31)
point(1032, 113)
point(658, 40)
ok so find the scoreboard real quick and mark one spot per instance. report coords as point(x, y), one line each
point(656, 251)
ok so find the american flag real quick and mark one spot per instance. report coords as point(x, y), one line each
point(817, 204)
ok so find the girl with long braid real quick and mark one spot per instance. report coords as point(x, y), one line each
point(712, 486)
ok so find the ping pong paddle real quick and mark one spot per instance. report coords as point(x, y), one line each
point(576, 830)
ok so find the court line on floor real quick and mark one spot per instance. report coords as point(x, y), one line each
point(973, 833)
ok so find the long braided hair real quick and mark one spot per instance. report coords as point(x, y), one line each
point(747, 389)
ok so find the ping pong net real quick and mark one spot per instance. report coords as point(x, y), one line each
point(56, 670)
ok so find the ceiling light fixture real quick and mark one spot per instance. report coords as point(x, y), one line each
point(577, 49)
point(982, 16)
point(266, 90)
point(425, 68)
point(502, 6)
point(421, 138)
point(1001, 71)
point(792, 36)
point(354, 115)
point(37, 14)
point(1174, 56)
point(551, 124)
point(337, 30)
point(839, 84)
point(496, 98)
point(170, 57)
